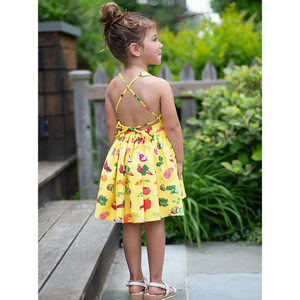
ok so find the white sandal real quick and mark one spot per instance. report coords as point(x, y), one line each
point(137, 296)
point(161, 296)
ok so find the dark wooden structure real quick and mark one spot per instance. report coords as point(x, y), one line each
point(56, 128)
point(57, 56)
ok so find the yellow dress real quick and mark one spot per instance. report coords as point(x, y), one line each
point(139, 181)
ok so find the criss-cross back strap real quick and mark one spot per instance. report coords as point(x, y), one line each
point(142, 74)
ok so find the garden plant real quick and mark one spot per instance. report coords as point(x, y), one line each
point(223, 162)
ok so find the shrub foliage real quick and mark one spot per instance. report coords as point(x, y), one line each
point(223, 161)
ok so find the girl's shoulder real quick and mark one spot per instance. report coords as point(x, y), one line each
point(158, 82)
point(114, 82)
point(163, 85)
point(147, 78)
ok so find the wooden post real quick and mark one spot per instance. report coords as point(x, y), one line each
point(100, 121)
point(209, 72)
point(165, 73)
point(254, 62)
point(118, 70)
point(231, 64)
point(188, 104)
point(99, 75)
point(83, 133)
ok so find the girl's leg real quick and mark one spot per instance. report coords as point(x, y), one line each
point(155, 239)
point(133, 252)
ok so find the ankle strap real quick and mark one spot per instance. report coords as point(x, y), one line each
point(162, 286)
point(139, 283)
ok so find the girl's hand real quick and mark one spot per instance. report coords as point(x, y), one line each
point(179, 169)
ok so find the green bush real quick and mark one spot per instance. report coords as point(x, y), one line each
point(231, 122)
point(223, 164)
point(233, 39)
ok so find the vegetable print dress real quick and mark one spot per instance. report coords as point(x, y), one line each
point(139, 181)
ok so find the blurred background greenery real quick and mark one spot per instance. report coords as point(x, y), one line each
point(186, 36)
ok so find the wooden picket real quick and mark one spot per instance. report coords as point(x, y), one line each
point(83, 92)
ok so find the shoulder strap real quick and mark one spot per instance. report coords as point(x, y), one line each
point(142, 74)
point(127, 87)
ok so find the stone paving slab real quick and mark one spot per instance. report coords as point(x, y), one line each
point(111, 295)
point(174, 272)
point(225, 287)
point(224, 257)
point(229, 272)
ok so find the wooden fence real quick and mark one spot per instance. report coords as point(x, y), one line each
point(83, 92)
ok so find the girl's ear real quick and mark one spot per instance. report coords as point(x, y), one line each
point(134, 49)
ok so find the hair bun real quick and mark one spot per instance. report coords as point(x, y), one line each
point(109, 12)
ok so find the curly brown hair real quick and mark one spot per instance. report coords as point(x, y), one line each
point(122, 29)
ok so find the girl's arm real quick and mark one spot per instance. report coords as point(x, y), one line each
point(171, 123)
point(111, 119)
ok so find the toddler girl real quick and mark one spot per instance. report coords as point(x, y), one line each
point(141, 180)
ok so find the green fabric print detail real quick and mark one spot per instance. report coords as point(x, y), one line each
point(173, 189)
point(116, 164)
point(127, 170)
point(140, 194)
point(152, 137)
point(173, 201)
point(160, 145)
point(163, 202)
point(119, 194)
point(127, 181)
point(102, 200)
point(180, 210)
point(160, 161)
point(156, 214)
point(135, 216)
point(144, 170)
point(127, 191)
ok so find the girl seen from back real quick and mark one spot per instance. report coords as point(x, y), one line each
point(141, 180)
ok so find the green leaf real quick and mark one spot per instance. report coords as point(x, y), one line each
point(234, 122)
point(255, 175)
point(235, 147)
point(193, 121)
point(259, 147)
point(257, 156)
point(227, 165)
point(235, 170)
point(190, 93)
point(236, 163)
point(254, 126)
point(243, 158)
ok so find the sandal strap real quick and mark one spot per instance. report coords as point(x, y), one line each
point(139, 283)
point(162, 286)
